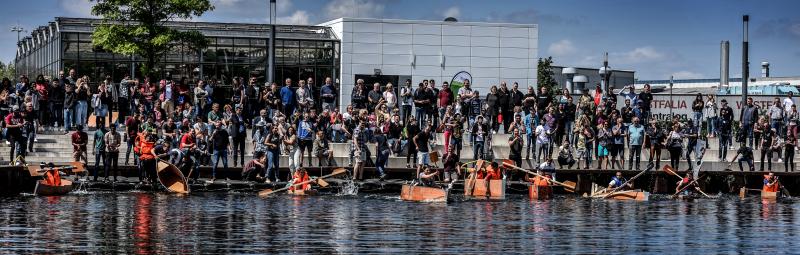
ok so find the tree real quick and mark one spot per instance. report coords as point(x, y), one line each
point(7, 70)
point(544, 76)
point(138, 27)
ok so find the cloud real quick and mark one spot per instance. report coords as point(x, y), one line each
point(562, 48)
point(531, 16)
point(454, 12)
point(297, 18)
point(79, 8)
point(688, 75)
point(642, 55)
point(795, 29)
point(354, 9)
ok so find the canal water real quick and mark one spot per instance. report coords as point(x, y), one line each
point(147, 223)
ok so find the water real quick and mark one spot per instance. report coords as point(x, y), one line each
point(242, 223)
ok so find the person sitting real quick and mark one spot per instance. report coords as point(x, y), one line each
point(300, 176)
point(548, 167)
point(427, 177)
point(492, 173)
point(254, 169)
point(683, 183)
point(541, 180)
point(618, 181)
point(771, 183)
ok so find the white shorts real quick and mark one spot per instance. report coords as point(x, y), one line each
point(423, 158)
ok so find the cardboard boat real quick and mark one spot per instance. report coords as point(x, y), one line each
point(171, 177)
point(43, 189)
point(423, 194)
point(636, 194)
point(771, 196)
point(477, 190)
point(540, 192)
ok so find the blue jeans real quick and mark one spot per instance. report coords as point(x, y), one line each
point(711, 122)
point(531, 145)
point(217, 155)
point(80, 112)
point(68, 114)
point(777, 125)
point(568, 128)
point(697, 117)
point(380, 162)
point(477, 150)
point(420, 115)
point(273, 161)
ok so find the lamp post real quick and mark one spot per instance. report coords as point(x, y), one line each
point(605, 75)
point(670, 96)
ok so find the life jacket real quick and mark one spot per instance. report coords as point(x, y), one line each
point(146, 150)
point(137, 143)
point(493, 174)
point(540, 182)
point(770, 188)
point(298, 179)
point(52, 177)
point(617, 181)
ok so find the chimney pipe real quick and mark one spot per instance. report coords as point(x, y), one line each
point(724, 68)
point(745, 59)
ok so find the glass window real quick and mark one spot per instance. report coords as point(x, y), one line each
point(70, 50)
point(241, 42)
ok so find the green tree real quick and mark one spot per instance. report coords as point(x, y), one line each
point(7, 70)
point(138, 27)
point(544, 76)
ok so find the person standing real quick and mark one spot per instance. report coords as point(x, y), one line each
point(635, 139)
point(675, 146)
point(382, 152)
point(407, 100)
point(239, 135)
point(747, 118)
point(305, 134)
point(788, 146)
point(14, 122)
point(768, 144)
point(529, 123)
point(776, 116)
point(421, 141)
point(542, 141)
point(70, 102)
point(421, 102)
point(252, 107)
point(692, 133)
point(503, 101)
point(788, 102)
point(654, 137)
point(711, 113)
point(79, 141)
point(493, 109)
point(99, 151)
point(479, 134)
point(466, 95)
point(374, 97)
point(618, 134)
point(219, 143)
point(273, 142)
point(82, 95)
point(515, 143)
point(725, 129)
point(305, 101)
point(287, 98)
point(328, 95)
point(112, 141)
point(446, 98)
point(433, 95)
point(123, 93)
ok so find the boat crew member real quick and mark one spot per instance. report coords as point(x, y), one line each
point(492, 173)
point(254, 170)
point(51, 176)
point(771, 183)
point(548, 167)
point(451, 166)
point(300, 176)
point(541, 180)
point(148, 157)
point(426, 177)
point(617, 181)
point(685, 181)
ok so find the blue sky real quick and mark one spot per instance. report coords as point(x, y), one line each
point(655, 38)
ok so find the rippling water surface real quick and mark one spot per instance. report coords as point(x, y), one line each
point(242, 223)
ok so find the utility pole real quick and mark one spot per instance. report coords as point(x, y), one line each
point(17, 29)
point(273, 14)
point(745, 61)
point(671, 103)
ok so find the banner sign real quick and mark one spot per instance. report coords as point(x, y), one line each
point(458, 81)
point(682, 104)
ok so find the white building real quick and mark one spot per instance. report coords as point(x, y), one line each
point(385, 50)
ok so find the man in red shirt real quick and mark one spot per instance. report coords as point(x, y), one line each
point(79, 141)
point(14, 122)
point(187, 142)
point(131, 130)
point(445, 99)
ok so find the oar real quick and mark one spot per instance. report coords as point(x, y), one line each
point(668, 169)
point(506, 164)
point(470, 184)
point(650, 166)
point(687, 186)
point(267, 192)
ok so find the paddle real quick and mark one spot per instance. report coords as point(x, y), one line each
point(506, 164)
point(267, 192)
point(649, 166)
point(668, 169)
point(473, 177)
point(687, 186)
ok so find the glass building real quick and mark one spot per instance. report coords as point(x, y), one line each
point(235, 49)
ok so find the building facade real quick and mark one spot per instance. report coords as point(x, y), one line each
point(386, 50)
point(234, 50)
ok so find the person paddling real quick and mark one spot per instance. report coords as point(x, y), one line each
point(771, 183)
point(427, 176)
point(617, 181)
point(541, 180)
point(300, 176)
point(684, 182)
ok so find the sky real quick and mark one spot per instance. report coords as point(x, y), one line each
point(654, 38)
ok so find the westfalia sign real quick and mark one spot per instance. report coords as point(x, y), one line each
point(682, 104)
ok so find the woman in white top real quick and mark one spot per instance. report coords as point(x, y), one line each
point(710, 112)
point(390, 97)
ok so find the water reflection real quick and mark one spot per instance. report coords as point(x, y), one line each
point(145, 223)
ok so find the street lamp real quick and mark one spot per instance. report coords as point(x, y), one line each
point(605, 75)
point(17, 29)
point(670, 96)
